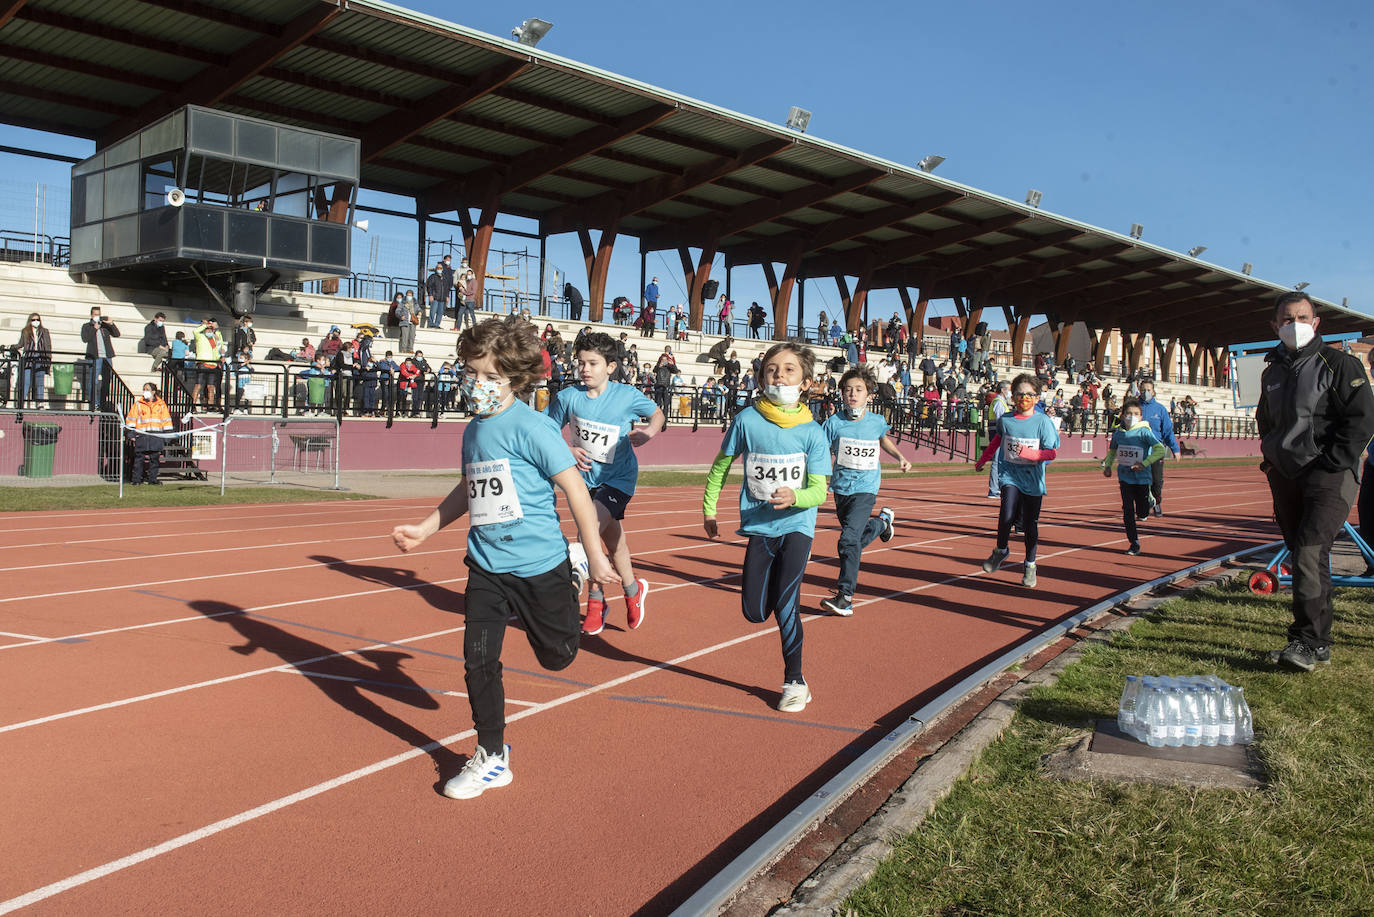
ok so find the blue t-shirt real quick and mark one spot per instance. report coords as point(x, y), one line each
point(858, 463)
point(775, 457)
point(599, 425)
point(508, 460)
point(1036, 431)
point(1133, 446)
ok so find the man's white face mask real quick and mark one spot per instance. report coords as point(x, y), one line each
point(1296, 335)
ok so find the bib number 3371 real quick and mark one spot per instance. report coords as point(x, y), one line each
point(491, 493)
point(599, 439)
point(766, 473)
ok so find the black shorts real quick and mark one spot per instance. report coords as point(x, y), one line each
point(207, 376)
point(615, 501)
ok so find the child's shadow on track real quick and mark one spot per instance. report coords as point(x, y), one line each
point(343, 679)
point(723, 573)
point(599, 647)
point(439, 597)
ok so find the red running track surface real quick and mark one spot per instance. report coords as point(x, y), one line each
point(249, 709)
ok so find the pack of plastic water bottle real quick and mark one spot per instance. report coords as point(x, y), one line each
point(1197, 710)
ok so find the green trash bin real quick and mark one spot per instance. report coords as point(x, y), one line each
point(62, 378)
point(315, 390)
point(40, 445)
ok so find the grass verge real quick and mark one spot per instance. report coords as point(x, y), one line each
point(30, 499)
point(1011, 840)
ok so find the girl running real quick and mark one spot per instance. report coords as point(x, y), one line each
point(1027, 440)
point(786, 463)
point(1134, 448)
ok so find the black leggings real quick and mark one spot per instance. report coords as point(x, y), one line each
point(1135, 504)
point(773, 569)
point(1023, 511)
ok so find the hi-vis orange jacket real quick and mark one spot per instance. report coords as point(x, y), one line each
point(149, 417)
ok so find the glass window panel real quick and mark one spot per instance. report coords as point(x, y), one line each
point(157, 230)
point(158, 179)
point(121, 237)
point(164, 136)
point(95, 197)
point(121, 190)
point(293, 195)
point(124, 151)
point(202, 228)
point(86, 244)
point(290, 239)
point(339, 158)
point(211, 132)
point(257, 142)
point(94, 164)
point(329, 245)
point(246, 233)
point(298, 151)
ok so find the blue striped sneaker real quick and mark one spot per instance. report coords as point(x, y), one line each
point(889, 521)
point(577, 559)
point(482, 772)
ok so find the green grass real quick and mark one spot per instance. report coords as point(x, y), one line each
point(22, 499)
point(1011, 840)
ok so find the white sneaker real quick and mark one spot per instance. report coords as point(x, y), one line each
point(482, 772)
point(1028, 577)
point(889, 520)
point(795, 696)
point(577, 556)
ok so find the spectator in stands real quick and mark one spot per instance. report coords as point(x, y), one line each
point(836, 332)
point(447, 381)
point(648, 317)
point(450, 276)
point(927, 367)
point(575, 302)
point(712, 399)
point(646, 380)
point(147, 416)
point(319, 369)
point(581, 338)
point(386, 369)
point(181, 355)
point(436, 290)
point(209, 353)
point(406, 319)
point(650, 298)
point(663, 379)
point(747, 386)
point(723, 308)
point(732, 369)
point(155, 340)
point(242, 370)
point(410, 386)
point(718, 351)
point(330, 344)
point(756, 319)
point(822, 328)
point(307, 352)
point(553, 341)
point(96, 335)
point(393, 312)
point(35, 358)
point(621, 310)
point(466, 279)
point(244, 336)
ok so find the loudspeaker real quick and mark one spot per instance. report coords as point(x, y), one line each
point(176, 197)
point(708, 290)
point(243, 299)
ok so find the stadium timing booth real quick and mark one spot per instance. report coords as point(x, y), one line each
point(219, 200)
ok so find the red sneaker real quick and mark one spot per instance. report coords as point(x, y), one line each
point(596, 617)
point(634, 607)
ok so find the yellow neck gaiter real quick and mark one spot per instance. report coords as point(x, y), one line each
point(782, 417)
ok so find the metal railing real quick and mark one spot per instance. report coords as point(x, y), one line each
point(16, 245)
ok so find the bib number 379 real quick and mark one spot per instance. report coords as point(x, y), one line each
point(766, 473)
point(491, 493)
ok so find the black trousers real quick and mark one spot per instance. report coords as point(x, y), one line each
point(1135, 504)
point(1157, 482)
point(546, 606)
point(1365, 506)
point(1311, 509)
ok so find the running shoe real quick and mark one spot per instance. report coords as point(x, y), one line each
point(889, 520)
point(1134, 549)
point(795, 696)
point(995, 559)
point(1156, 508)
point(577, 557)
point(634, 607)
point(1028, 577)
point(482, 772)
point(1300, 656)
point(596, 617)
point(838, 604)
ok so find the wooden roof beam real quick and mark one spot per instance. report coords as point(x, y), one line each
point(213, 84)
point(994, 284)
point(388, 132)
point(524, 169)
point(139, 41)
point(114, 74)
point(87, 103)
point(919, 244)
point(935, 269)
point(1051, 289)
point(9, 10)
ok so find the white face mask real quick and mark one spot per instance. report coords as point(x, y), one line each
point(147, 395)
point(36, 323)
point(159, 323)
point(1296, 335)
point(783, 394)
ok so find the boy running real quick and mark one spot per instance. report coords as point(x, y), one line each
point(1027, 440)
point(786, 463)
point(601, 413)
point(855, 435)
point(1134, 448)
point(517, 558)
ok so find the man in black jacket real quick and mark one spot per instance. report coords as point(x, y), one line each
point(155, 340)
point(96, 335)
point(1315, 417)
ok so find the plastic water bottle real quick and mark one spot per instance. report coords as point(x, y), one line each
point(1191, 705)
point(1126, 707)
point(1245, 729)
point(1226, 716)
point(1173, 717)
point(1211, 726)
point(1155, 731)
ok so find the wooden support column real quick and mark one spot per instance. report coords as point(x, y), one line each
point(481, 243)
point(851, 319)
point(1170, 351)
point(696, 276)
point(962, 309)
point(1018, 339)
point(1220, 364)
point(600, 268)
point(1063, 332)
point(861, 285)
point(975, 315)
point(1104, 347)
point(1197, 356)
point(1135, 349)
point(915, 317)
point(781, 291)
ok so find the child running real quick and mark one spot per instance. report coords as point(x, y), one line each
point(601, 413)
point(786, 462)
point(1027, 440)
point(1134, 448)
point(855, 435)
point(517, 558)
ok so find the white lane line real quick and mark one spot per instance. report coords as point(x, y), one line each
point(391, 685)
point(5, 633)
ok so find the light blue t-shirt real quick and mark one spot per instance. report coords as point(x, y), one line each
point(858, 461)
point(508, 461)
point(1133, 446)
point(1036, 431)
point(775, 457)
point(600, 425)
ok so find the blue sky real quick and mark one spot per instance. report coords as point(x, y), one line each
point(1244, 127)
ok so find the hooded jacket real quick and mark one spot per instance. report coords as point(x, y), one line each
point(1315, 409)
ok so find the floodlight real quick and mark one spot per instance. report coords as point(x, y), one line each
point(1345, 302)
point(1136, 230)
point(530, 31)
point(1033, 198)
point(798, 118)
point(1196, 250)
point(361, 224)
point(1246, 268)
point(1300, 286)
point(930, 163)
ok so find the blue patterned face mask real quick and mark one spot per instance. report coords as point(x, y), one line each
point(483, 394)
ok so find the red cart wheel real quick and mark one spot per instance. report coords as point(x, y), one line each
point(1263, 582)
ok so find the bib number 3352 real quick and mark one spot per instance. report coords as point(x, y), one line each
point(766, 473)
point(491, 493)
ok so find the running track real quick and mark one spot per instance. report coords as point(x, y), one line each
point(249, 709)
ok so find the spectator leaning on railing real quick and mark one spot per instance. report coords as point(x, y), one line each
point(35, 355)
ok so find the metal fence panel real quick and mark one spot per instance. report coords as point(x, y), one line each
point(61, 448)
point(297, 451)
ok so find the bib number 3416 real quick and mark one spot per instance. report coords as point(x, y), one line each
point(491, 493)
point(766, 473)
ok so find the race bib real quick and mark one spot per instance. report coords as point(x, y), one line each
point(491, 493)
point(1129, 455)
point(1010, 446)
point(860, 454)
point(764, 474)
point(599, 439)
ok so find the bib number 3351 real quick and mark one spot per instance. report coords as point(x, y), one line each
point(491, 493)
point(766, 473)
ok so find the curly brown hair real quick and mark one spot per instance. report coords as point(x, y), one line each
point(513, 343)
point(864, 375)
